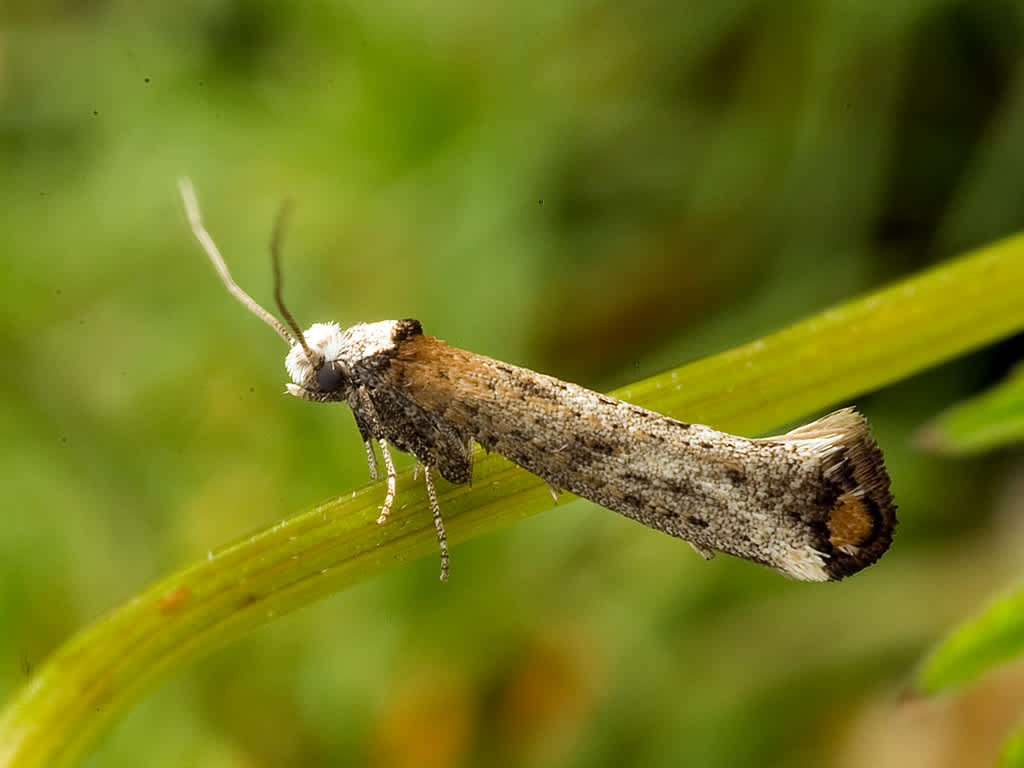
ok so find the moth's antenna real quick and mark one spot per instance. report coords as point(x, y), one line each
point(188, 196)
point(275, 256)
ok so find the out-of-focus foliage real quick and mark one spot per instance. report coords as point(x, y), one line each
point(992, 419)
point(595, 190)
point(1013, 751)
point(94, 677)
point(990, 638)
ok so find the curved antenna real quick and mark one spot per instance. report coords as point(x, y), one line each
point(188, 196)
point(275, 257)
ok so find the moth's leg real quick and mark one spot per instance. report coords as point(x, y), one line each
point(704, 552)
point(369, 425)
point(442, 537)
point(555, 490)
point(371, 460)
point(389, 467)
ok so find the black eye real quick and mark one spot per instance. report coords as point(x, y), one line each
point(330, 377)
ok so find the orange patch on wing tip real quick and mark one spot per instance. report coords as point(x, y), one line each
point(850, 523)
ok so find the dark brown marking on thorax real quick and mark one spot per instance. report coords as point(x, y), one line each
point(405, 329)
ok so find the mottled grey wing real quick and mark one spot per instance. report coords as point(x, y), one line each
point(434, 441)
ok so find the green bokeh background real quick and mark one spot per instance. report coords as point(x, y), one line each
point(595, 190)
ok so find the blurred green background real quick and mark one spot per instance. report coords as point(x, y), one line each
point(595, 190)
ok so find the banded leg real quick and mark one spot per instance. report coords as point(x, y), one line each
point(442, 537)
point(371, 460)
point(389, 467)
point(375, 429)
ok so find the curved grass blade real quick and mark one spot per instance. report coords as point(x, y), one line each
point(861, 345)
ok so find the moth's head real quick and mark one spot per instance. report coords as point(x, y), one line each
point(316, 363)
point(317, 370)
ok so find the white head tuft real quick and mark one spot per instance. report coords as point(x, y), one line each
point(325, 341)
point(328, 344)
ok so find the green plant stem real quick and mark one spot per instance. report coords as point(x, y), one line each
point(864, 344)
point(853, 348)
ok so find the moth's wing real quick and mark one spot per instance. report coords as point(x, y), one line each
point(433, 440)
point(813, 503)
point(365, 430)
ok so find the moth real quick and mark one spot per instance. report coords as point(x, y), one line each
point(813, 503)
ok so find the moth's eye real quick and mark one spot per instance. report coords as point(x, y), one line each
point(330, 377)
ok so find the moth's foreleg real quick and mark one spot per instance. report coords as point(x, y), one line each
point(442, 537)
point(389, 467)
point(371, 460)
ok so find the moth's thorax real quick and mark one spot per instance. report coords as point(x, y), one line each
point(329, 344)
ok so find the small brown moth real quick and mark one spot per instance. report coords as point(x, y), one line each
point(813, 503)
